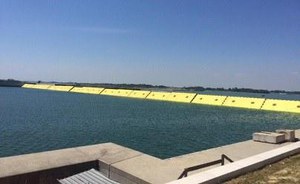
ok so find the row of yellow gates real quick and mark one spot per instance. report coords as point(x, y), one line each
point(229, 101)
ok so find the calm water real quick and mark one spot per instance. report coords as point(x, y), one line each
point(36, 120)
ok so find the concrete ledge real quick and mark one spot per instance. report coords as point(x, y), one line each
point(46, 167)
point(289, 134)
point(269, 137)
point(223, 173)
point(135, 169)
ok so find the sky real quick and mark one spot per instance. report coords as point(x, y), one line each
point(237, 43)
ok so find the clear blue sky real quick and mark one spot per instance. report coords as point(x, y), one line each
point(209, 43)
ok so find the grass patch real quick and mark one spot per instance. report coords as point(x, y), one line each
point(283, 172)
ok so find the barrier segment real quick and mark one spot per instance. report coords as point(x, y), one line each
point(282, 105)
point(158, 96)
point(209, 99)
point(27, 85)
point(116, 92)
point(36, 86)
point(60, 88)
point(108, 92)
point(181, 97)
point(139, 94)
point(244, 102)
point(87, 90)
point(41, 86)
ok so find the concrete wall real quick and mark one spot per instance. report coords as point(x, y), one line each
point(46, 167)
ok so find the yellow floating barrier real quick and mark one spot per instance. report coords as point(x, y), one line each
point(181, 97)
point(282, 105)
point(209, 99)
point(87, 90)
point(36, 86)
point(27, 85)
point(116, 92)
point(139, 94)
point(244, 102)
point(230, 101)
point(158, 95)
point(108, 92)
point(60, 88)
point(41, 86)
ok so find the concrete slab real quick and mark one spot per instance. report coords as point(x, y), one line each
point(289, 134)
point(146, 168)
point(107, 152)
point(221, 174)
point(39, 161)
point(269, 137)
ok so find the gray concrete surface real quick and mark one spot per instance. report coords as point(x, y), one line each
point(269, 137)
point(223, 173)
point(119, 163)
point(154, 170)
point(47, 167)
point(289, 134)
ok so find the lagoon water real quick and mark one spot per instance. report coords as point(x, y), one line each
point(36, 120)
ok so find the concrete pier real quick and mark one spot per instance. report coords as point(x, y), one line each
point(118, 163)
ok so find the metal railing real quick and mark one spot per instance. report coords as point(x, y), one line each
point(189, 169)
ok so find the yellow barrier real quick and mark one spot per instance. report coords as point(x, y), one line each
point(87, 90)
point(139, 94)
point(282, 105)
point(60, 88)
point(36, 86)
point(243, 102)
point(230, 101)
point(158, 95)
point(27, 85)
point(181, 97)
point(116, 92)
point(41, 86)
point(209, 99)
point(108, 92)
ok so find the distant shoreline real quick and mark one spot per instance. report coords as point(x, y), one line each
point(17, 83)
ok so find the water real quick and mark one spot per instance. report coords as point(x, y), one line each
point(37, 120)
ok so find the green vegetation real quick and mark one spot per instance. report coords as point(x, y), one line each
point(286, 171)
point(11, 83)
